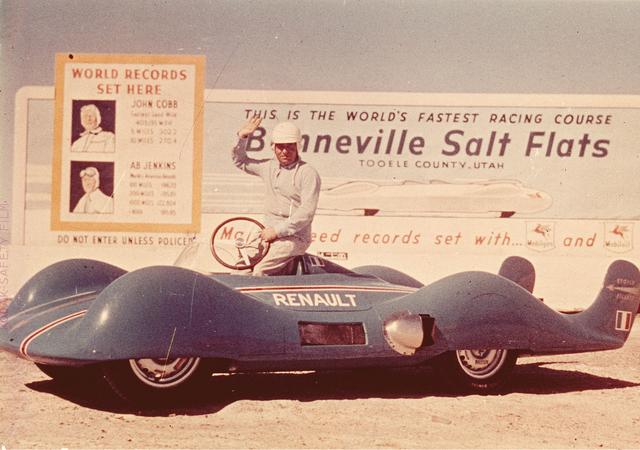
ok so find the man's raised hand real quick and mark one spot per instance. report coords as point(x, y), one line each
point(249, 127)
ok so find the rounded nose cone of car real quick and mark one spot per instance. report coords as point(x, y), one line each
point(404, 332)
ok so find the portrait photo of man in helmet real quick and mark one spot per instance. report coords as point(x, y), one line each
point(292, 187)
point(94, 201)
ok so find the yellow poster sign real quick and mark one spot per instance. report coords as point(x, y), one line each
point(128, 143)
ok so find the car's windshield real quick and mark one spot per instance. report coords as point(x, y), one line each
point(197, 256)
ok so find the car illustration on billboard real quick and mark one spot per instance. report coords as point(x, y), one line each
point(502, 198)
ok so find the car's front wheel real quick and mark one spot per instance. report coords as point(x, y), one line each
point(156, 380)
point(476, 370)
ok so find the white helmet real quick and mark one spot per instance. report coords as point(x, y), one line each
point(93, 173)
point(286, 133)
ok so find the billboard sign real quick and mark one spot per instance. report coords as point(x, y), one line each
point(429, 184)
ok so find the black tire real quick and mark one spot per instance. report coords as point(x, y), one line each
point(157, 381)
point(475, 371)
point(73, 375)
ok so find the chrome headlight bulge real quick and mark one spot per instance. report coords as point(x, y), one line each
point(406, 332)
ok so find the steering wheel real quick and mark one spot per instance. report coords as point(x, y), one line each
point(236, 243)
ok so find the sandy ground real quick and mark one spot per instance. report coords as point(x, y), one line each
point(573, 401)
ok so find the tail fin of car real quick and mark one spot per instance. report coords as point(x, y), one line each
point(616, 306)
point(520, 271)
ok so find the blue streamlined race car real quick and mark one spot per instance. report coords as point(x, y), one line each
point(156, 332)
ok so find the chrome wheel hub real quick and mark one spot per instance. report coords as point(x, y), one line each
point(163, 372)
point(481, 364)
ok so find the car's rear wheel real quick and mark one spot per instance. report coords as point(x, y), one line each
point(476, 370)
point(156, 380)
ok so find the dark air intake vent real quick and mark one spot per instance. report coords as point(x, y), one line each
point(314, 333)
